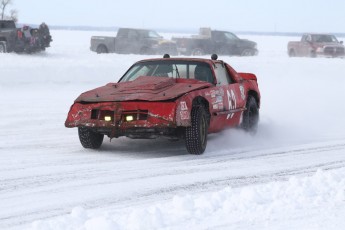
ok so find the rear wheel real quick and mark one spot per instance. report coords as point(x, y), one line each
point(292, 53)
point(90, 139)
point(251, 115)
point(101, 49)
point(196, 134)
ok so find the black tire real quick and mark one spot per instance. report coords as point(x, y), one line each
point(102, 49)
point(251, 115)
point(90, 139)
point(198, 52)
point(196, 134)
point(292, 53)
point(247, 52)
point(2, 47)
point(146, 51)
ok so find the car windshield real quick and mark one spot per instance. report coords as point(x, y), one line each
point(149, 34)
point(166, 68)
point(324, 38)
point(231, 36)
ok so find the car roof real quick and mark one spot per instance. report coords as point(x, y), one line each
point(317, 34)
point(205, 60)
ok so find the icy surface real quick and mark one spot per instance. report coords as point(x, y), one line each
point(290, 175)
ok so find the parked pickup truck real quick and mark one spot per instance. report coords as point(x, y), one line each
point(213, 41)
point(316, 45)
point(25, 39)
point(133, 41)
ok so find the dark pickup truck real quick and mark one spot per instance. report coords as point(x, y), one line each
point(316, 45)
point(213, 41)
point(133, 41)
point(25, 39)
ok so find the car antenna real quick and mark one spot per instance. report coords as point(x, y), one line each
point(166, 56)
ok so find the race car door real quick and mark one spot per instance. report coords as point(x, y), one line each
point(228, 100)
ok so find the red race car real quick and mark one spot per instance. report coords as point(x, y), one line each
point(172, 97)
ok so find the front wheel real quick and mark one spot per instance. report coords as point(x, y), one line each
point(247, 52)
point(196, 134)
point(146, 51)
point(251, 115)
point(90, 139)
point(2, 47)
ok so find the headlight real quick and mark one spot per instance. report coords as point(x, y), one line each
point(107, 118)
point(319, 49)
point(129, 117)
point(137, 115)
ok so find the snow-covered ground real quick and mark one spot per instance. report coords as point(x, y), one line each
point(290, 175)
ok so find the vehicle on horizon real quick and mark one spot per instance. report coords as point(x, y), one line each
point(214, 41)
point(316, 45)
point(177, 98)
point(133, 41)
point(23, 40)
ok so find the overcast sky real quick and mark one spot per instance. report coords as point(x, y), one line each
point(235, 15)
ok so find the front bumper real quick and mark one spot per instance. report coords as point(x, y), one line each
point(330, 52)
point(124, 118)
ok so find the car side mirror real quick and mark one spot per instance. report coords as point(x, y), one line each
point(341, 42)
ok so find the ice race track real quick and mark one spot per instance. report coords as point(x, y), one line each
point(290, 175)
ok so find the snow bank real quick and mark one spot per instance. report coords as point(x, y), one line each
point(272, 206)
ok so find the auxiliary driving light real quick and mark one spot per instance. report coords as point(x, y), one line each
point(107, 118)
point(129, 118)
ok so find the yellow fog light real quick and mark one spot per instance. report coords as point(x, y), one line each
point(129, 118)
point(107, 118)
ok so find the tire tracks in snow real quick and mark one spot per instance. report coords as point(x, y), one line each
point(220, 169)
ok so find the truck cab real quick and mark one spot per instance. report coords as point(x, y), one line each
point(7, 35)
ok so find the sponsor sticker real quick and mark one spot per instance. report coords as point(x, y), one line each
point(183, 105)
point(232, 102)
point(243, 96)
point(184, 115)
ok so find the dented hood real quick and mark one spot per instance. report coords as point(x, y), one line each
point(144, 88)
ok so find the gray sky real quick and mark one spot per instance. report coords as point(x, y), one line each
point(235, 15)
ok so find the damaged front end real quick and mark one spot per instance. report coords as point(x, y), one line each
point(139, 120)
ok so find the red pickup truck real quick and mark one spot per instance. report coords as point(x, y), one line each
point(316, 45)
